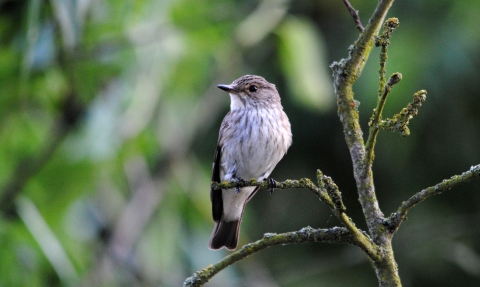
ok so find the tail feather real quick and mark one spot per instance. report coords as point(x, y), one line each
point(225, 234)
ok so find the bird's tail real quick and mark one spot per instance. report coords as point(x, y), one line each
point(225, 234)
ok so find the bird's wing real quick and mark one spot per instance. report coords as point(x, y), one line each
point(216, 195)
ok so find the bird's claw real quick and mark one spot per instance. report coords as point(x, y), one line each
point(272, 184)
point(240, 182)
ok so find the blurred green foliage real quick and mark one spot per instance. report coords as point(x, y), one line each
point(109, 118)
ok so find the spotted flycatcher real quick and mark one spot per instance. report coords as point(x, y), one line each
point(253, 137)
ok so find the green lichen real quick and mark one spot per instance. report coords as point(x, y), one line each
point(400, 121)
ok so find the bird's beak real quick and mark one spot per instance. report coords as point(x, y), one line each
point(227, 88)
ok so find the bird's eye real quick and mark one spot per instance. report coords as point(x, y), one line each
point(253, 88)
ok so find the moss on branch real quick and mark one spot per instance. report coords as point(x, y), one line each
point(345, 74)
point(304, 235)
point(327, 191)
point(383, 41)
point(377, 116)
point(399, 122)
point(289, 183)
point(394, 221)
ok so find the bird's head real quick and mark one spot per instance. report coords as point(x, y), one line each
point(251, 91)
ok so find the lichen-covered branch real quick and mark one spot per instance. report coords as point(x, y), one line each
point(383, 41)
point(327, 191)
point(326, 183)
point(289, 183)
point(377, 116)
point(307, 234)
point(394, 221)
point(385, 87)
point(399, 122)
point(345, 74)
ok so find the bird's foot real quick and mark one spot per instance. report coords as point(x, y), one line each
point(272, 184)
point(240, 183)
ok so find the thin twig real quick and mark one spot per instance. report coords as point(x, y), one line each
point(377, 116)
point(289, 183)
point(383, 41)
point(399, 122)
point(355, 16)
point(394, 221)
point(327, 183)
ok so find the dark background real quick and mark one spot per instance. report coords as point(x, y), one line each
point(109, 117)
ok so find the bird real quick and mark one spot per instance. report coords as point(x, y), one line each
point(254, 136)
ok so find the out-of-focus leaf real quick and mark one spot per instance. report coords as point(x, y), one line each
point(302, 58)
point(466, 258)
point(261, 22)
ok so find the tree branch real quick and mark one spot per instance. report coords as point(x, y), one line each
point(306, 234)
point(345, 74)
point(289, 183)
point(383, 41)
point(377, 116)
point(399, 122)
point(355, 16)
point(328, 193)
point(394, 221)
